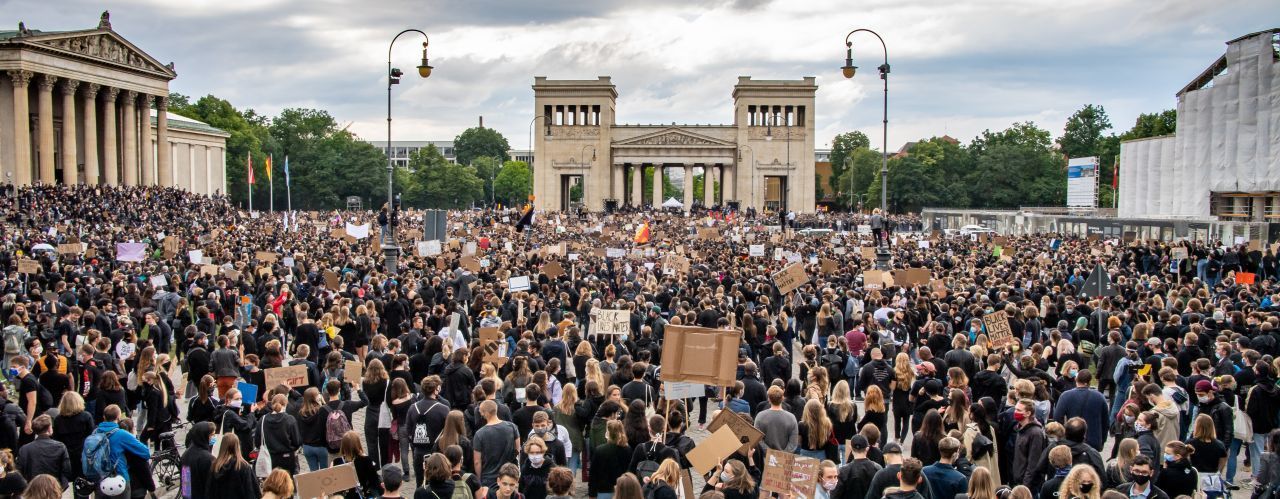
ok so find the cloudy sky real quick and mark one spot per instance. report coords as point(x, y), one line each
point(957, 67)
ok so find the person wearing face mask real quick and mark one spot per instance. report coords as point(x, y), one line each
point(732, 479)
point(1029, 445)
point(1140, 484)
point(236, 417)
point(1144, 428)
point(534, 468)
point(1208, 402)
point(197, 461)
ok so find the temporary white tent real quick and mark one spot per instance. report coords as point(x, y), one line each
point(672, 203)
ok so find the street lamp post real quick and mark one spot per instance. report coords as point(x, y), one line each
point(391, 250)
point(753, 171)
point(847, 160)
point(533, 156)
point(849, 69)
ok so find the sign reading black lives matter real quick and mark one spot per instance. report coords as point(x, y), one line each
point(998, 330)
point(610, 322)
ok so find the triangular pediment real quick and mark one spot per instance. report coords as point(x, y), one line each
point(674, 137)
point(102, 45)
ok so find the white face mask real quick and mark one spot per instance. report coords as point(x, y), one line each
point(830, 485)
point(536, 460)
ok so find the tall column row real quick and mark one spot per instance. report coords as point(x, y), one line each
point(125, 137)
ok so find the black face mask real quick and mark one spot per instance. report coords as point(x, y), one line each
point(1086, 487)
point(1141, 479)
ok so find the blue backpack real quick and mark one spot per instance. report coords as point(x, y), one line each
point(97, 461)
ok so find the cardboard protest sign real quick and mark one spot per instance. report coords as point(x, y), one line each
point(829, 266)
point(470, 263)
point(28, 266)
point(700, 355)
point(492, 345)
point(756, 250)
point(676, 263)
point(327, 482)
point(708, 233)
point(332, 281)
point(352, 372)
point(519, 283)
point(876, 279)
point(911, 277)
point(742, 425)
point(792, 474)
point(553, 270)
point(293, 376)
point(69, 249)
point(209, 270)
point(171, 244)
point(714, 449)
point(868, 253)
point(790, 278)
point(610, 322)
point(939, 287)
point(1178, 253)
point(998, 330)
point(266, 256)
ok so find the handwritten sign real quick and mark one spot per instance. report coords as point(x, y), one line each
point(28, 266)
point(352, 372)
point(491, 344)
point(789, 474)
point(327, 482)
point(790, 278)
point(998, 330)
point(610, 322)
point(292, 376)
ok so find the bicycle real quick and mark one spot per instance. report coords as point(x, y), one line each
point(166, 461)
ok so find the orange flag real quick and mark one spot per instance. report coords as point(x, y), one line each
point(642, 234)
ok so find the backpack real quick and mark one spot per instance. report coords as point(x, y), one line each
point(96, 458)
point(14, 337)
point(421, 435)
point(648, 466)
point(335, 426)
point(834, 364)
point(850, 367)
point(460, 488)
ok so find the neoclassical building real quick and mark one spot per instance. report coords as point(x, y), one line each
point(764, 159)
point(77, 107)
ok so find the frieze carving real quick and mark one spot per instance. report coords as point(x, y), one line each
point(102, 47)
point(778, 133)
point(574, 132)
point(674, 139)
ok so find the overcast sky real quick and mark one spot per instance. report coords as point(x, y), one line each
point(958, 67)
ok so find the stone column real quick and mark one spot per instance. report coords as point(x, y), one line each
point(144, 117)
point(21, 127)
point(637, 185)
point(688, 186)
point(616, 191)
point(164, 165)
point(729, 189)
point(110, 158)
point(130, 135)
point(45, 117)
point(709, 185)
point(657, 187)
point(90, 96)
point(70, 156)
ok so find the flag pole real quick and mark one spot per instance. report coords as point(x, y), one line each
point(249, 184)
point(271, 188)
point(288, 189)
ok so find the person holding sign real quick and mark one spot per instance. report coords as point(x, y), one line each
point(732, 479)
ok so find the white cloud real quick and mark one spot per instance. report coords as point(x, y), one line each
point(958, 68)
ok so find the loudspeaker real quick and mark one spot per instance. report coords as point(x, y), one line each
point(610, 205)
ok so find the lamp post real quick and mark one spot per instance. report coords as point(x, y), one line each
point(847, 161)
point(391, 250)
point(533, 156)
point(849, 69)
point(753, 170)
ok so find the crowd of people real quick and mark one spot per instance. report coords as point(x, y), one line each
point(897, 390)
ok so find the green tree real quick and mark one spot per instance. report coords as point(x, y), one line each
point(1153, 125)
point(864, 167)
point(1015, 167)
point(246, 138)
point(842, 147)
point(431, 181)
point(487, 169)
point(475, 142)
point(514, 183)
point(1082, 136)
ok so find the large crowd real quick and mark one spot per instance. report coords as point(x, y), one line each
point(1162, 388)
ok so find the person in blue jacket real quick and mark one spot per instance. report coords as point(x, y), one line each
point(123, 443)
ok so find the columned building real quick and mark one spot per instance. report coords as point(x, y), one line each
point(76, 107)
point(765, 159)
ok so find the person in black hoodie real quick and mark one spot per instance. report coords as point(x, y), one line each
point(72, 426)
point(458, 378)
point(312, 418)
point(280, 435)
point(333, 392)
point(197, 461)
point(236, 418)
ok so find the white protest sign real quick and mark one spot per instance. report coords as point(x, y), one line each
point(195, 256)
point(518, 283)
point(756, 250)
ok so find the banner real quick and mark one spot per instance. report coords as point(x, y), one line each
point(610, 322)
point(358, 231)
point(131, 252)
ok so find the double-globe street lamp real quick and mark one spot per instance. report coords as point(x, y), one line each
point(849, 69)
point(390, 249)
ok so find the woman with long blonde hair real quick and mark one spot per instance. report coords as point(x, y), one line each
point(1116, 471)
point(594, 373)
point(904, 375)
point(843, 414)
point(816, 433)
point(1082, 482)
point(877, 414)
point(981, 484)
point(819, 379)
